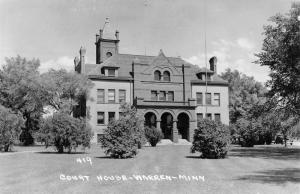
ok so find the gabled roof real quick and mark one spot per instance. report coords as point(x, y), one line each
point(124, 62)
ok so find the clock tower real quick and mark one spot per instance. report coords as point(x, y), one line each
point(107, 43)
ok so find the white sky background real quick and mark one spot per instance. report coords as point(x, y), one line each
point(54, 30)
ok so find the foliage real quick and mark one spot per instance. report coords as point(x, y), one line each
point(212, 139)
point(244, 92)
point(122, 137)
point(153, 135)
point(64, 132)
point(247, 131)
point(65, 89)
point(280, 52)
point(21, 91)
point(10, 127)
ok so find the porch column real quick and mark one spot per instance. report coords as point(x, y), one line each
point(158, 125)
point(175, 132)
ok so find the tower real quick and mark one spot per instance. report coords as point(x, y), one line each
point(107, 43)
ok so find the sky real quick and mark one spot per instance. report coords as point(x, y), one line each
point(54, 30)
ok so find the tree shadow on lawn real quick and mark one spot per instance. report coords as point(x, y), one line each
point(266, 153)
point(278, 176)
point(64, 153)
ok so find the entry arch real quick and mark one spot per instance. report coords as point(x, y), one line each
point(183, 125)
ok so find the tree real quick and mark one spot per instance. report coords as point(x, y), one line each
point(212, 139)
point(10, 127)
point(281, 53)
point(21, 90)
point(64, 132)
point(244, 93)
point(122, 137)
point(66, 90)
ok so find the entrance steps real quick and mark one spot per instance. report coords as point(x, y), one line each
point(169, 142)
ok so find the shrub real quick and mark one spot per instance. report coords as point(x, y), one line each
point(248, 132)
point(10, 128)
point(153, 135)
point(212, 139)
point(64, 132)
point(122, 137)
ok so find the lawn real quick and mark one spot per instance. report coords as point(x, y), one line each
point(263, 169)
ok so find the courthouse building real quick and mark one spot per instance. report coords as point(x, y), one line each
point(172, 94)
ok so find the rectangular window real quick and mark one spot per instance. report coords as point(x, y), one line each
point(111, 116)
point(154, 95)
point(217, 99)
point(171, 96)
point(100, 96)
point(100, 118)
point(111, 96)
point(217, 117)
point(121, 114)
point(199, 98)
point(208, 116)
point(122, 96)
point(199, 117)
point(208, 98)
point(162, 96)
point(99, 136)
point(111, 72)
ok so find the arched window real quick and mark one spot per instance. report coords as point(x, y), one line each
point(166, 76)
point(157, 75)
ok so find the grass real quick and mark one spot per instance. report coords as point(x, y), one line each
point(262, 169)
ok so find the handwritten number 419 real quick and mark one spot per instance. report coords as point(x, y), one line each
point(87, 160)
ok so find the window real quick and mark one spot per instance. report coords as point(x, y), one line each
point(100, 96)
point(199, 117)
point(99, 136)
point(166, 76)
point(122, 96)
point(217, 117)
point(121, 114)
point(157, 75)
point(111, 116)
point(111, 96)
point(100, 118)
point(170, 96)
point(154, 95)
point(199, 98)
point(108, 54)
point(217, 99)
point(208, 98)
point(208, 116)
point(111, 72)
point(162, 96)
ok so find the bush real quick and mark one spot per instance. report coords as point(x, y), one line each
point(122, 137)
point(153, 135)
point(64, 132)
point(212, 139)
point(248, 132)
point(10, 128)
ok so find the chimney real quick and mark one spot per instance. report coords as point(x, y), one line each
point(213, 64)
point(101, 33)
point(117, 34)
point(82, 52)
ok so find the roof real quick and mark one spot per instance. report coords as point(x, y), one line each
point(124, 62)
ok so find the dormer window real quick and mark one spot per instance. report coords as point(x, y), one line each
point(110, 71)
point(166, 76)
point(157, 75)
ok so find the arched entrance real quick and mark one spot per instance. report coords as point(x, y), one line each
point(150, 119)
point(183, 125)
point(167, 125)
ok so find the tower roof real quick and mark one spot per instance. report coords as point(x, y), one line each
point(108, 32)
